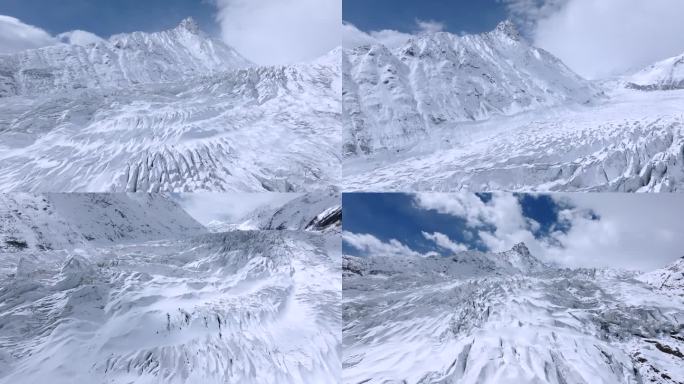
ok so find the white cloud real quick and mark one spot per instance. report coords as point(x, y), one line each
point(78, 37)
point(370, 245)
point(354, 37)
point(500, 223)
point(445, 242)
point(602, 38)
point(16, 36)
point(280, 31)
point(430, 26)
point(633, 232)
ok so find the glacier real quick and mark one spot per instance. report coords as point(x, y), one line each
point(169, 111)
point(508, 317)
point(129, 288)
point(492, 112)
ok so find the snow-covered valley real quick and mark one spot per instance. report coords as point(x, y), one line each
point(120, 288)
point(491, 112)
point(507, 317)
point(174, 110)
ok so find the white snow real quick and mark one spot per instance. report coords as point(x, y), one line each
point(474, 319)
point(167, 111)
point(490, 112)
point(165, 302)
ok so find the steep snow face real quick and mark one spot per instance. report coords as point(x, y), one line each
point(670, 278)
point(64, 221)
point(633, 141)
point(664, 75)
point(126, 59)
point(239, 307)
point(393, 98)
point(474, 319)
point(313, 211)
point(198, 125)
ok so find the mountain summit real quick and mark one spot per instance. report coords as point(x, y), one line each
point(395, 97)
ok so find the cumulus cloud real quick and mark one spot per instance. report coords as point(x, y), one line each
point(354, 37)
point(79, 37)
point(17, 36)
point(430, 26)
point(445, 242)
point(280, 31)
point(368, 244)
point(634, 231)
point(592, 230)
point(498, 222)
point(603, 38)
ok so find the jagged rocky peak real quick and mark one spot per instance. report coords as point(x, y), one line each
point(521, 248)
point(190, 25)
point(508, 28)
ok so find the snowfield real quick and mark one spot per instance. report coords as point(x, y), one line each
point(168, 111)
point(171, 305)
point(494, 318)
point(490, 112)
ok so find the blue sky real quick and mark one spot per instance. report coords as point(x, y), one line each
point(632, 231)
point(107, 17)
point(400, 15)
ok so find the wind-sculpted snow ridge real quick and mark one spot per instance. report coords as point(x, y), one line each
point(494, 318)
point(394, 98)
point(54, 221)
point(631, 142)
point(237, 307)
point(213, 127)
point(663, 75)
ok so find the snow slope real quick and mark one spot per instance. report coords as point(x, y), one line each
point(30, 222)
point(633, 142)
point(317, 211)
point(663, 75)
point(546, 129)
point(172, 111)
point(670, 278)
point(182, 306)
point(393, 98)
point(493, 318)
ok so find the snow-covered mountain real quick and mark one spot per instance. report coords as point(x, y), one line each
point(493, 318)
point(314, 211)
point(425, 117)
point(153, 297)
point(168, 111)
point(123, 60)
point(30, 222)
point(663, 75)
point(670, 278)
point(394, 97)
